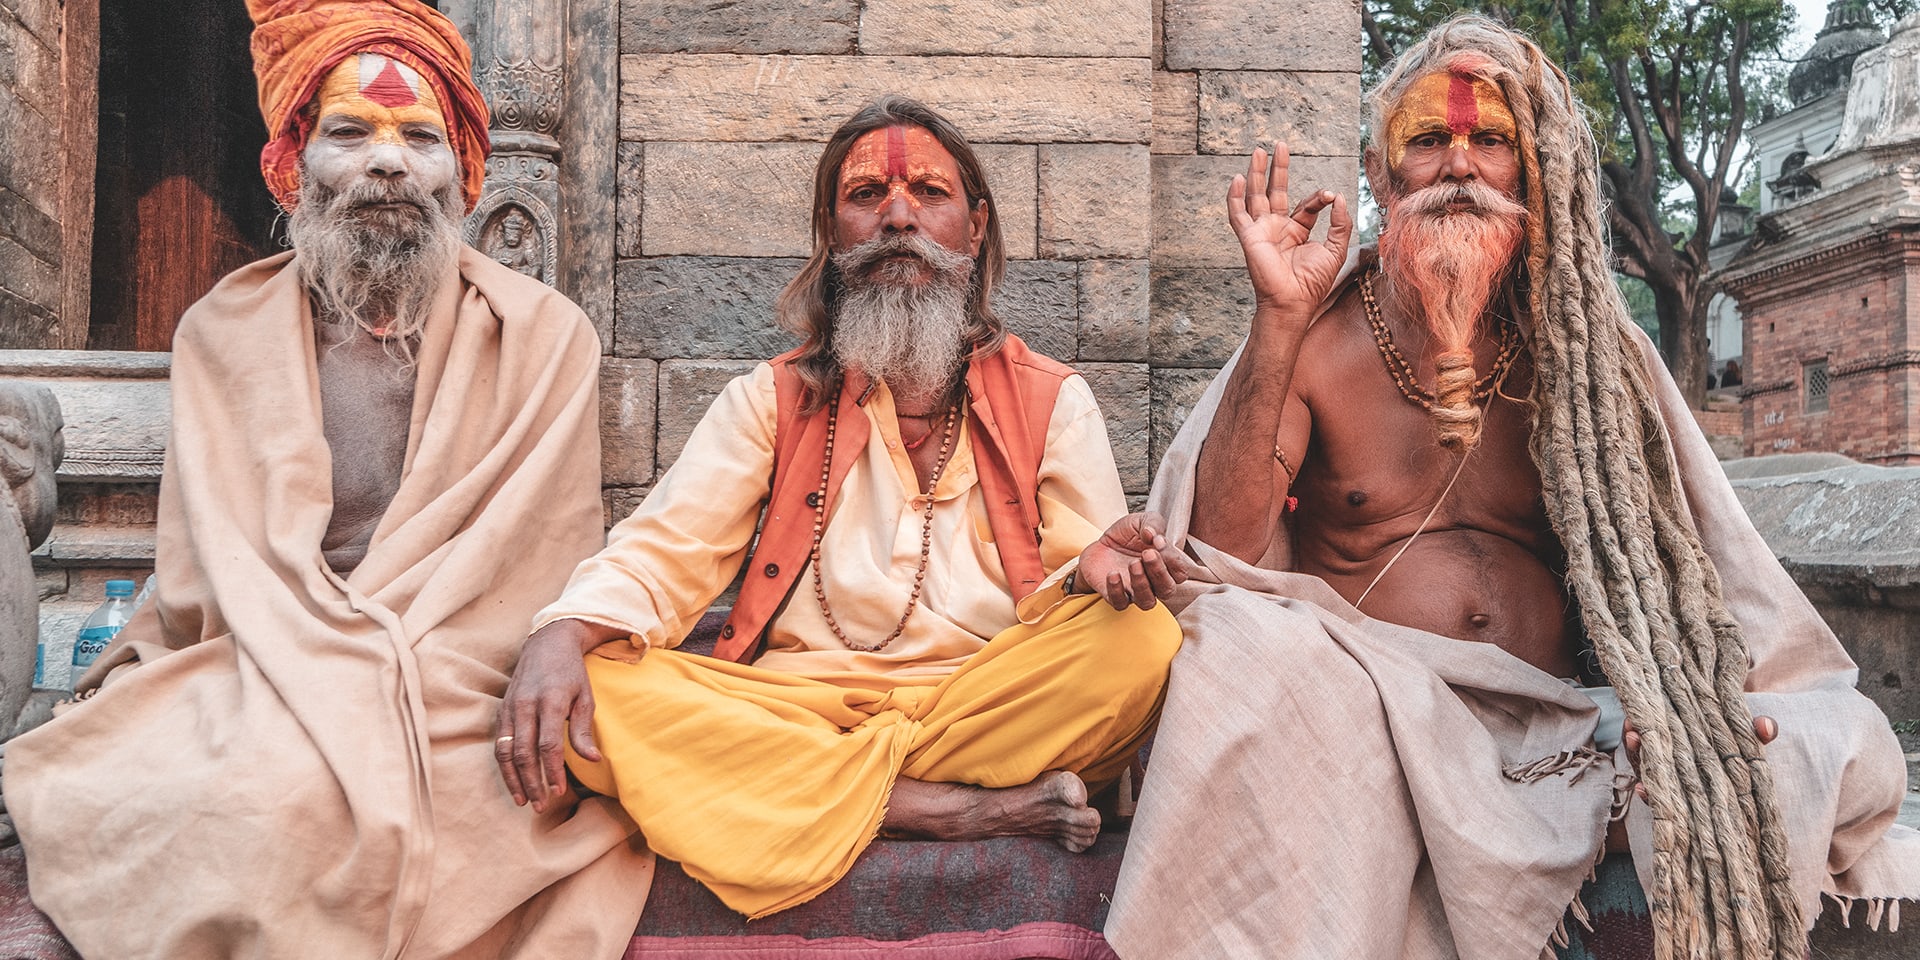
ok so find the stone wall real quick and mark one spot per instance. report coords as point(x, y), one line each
point(46, 185)
point(1849, 534)
point(1109, 128)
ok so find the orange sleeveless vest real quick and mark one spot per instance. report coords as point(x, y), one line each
point(1010, 398)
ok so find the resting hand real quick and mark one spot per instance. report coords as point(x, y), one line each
point(547, 699)
point(1291, 275)
point(1130, 563)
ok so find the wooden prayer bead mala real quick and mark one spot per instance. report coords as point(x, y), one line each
point(926, 527)
point(1402, 372)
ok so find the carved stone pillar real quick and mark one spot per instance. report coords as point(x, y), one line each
point(518, 64)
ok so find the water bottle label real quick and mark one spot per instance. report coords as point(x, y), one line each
point(87, 647)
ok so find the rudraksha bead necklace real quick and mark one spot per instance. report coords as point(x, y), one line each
point(926, 527)
point(1402, 372)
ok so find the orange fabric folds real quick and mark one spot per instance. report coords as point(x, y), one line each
point(295, 44)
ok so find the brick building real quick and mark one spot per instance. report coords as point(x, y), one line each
point(1830, 284)
point(658, 154)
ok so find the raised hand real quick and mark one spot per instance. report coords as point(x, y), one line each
point(1291, 275)
point(1130, 563)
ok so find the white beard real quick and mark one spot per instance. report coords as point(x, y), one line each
point(910, 334)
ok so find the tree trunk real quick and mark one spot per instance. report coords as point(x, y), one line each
point(1682, 308)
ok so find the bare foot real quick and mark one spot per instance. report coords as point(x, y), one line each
point(1053, 805)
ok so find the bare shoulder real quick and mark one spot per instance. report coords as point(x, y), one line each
point(1336, 341)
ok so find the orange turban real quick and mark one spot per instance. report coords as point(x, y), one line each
point(297, 42)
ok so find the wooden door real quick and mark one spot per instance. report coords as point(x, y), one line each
point(178, 192)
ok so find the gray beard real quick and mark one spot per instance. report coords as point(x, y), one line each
point(911, 335)
point(377, 268)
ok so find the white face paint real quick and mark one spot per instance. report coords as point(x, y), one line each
point(379, 121)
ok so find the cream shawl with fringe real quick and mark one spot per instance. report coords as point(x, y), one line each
point(1328, 785)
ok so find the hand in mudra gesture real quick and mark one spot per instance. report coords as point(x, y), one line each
point(1291, 274)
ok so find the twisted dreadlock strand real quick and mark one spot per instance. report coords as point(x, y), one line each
point(1648, 594)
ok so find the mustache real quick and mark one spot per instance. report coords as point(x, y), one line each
point(858, 259)
point(365, 197)
point(1441, 199)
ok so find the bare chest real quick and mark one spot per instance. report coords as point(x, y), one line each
point(366, 404)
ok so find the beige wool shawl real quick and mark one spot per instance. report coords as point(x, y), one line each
point(302, 765)
point(1324, 784)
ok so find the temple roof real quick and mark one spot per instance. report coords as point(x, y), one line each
point(1828, 64)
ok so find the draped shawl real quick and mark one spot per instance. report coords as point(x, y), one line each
point(302, 764)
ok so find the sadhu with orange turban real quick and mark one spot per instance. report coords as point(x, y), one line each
point(298, 44)
point(384, 460)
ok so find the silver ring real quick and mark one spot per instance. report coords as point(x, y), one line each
point(500, 740)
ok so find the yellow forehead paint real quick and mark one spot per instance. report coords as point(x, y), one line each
point(1456, 104)
point(897, 158)
point(381, 92)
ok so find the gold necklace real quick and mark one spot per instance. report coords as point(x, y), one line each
point(1402, 372)
point(926, 527)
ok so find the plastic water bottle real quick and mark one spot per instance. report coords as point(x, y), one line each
point(106, 621)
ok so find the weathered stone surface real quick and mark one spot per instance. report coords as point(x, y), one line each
point(1189, 204)
point(1079, 184)
point(687, 389)
point(1263, 35)
point(700, 307)
point(30, 165)
point(728, 199)
point(738, 26)
point(109, 503)
point(1037, 28)
point(1200, 315)
point(1011, 177)
point(992, 99)
point(1122, 389)
point(40, 17)
point(1312, 112)
point(1841, 516)
point(1175, 391)
point(117, 406)
point(620, 502)
point(1176, 112)
point(29, 226)
point(1113, 309)
point(626, 421)
point(630, 194)
point(31, 418)
point(27, 276)
point(1038, 302)
point(28, 66)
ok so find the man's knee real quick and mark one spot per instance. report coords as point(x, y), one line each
point(1126, 648)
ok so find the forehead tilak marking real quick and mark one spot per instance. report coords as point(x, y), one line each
point(388, 87)
point(896, 152)
point(1463, 105)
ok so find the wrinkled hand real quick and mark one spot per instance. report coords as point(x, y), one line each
point(1130, 563)
point(547, 699)
point(1291, 275)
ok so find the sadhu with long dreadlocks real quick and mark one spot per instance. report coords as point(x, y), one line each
point(1459, 526)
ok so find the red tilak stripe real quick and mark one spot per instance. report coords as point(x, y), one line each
point(896, 153)
point(1463, 110)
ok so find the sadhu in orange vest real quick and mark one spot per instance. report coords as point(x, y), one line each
point(1010, 397)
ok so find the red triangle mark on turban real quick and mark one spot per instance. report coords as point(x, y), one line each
point(296, 43)
point(389, 89)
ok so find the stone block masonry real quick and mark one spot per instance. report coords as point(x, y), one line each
point(1109, 130)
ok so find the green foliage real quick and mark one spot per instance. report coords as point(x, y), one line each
point(1640, 304)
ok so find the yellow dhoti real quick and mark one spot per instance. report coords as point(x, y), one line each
point(766, 785)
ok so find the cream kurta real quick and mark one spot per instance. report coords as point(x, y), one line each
point(680, 549)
